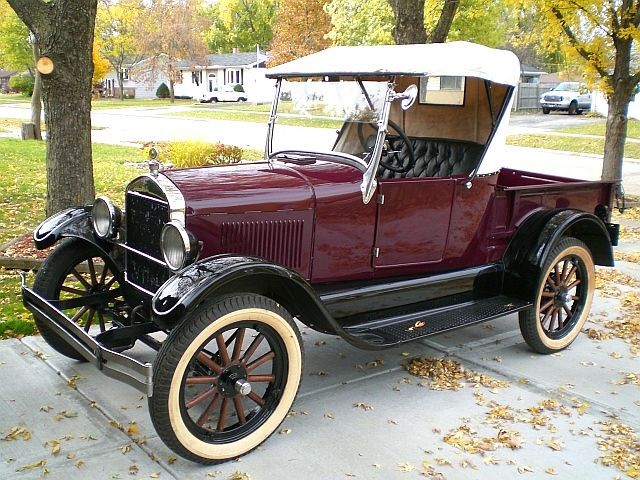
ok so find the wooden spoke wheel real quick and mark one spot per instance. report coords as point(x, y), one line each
point(84, 282)
point(563, 298)
point(225, 378)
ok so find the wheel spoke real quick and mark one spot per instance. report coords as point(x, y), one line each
point(546, 294)
point(551, 282)
point(563, 277)
point(107, 285)
point(81, 312)
point(104, 274)
point(256, 398)
point(101, 321)
point(87, 325)
point(260, 360)
point(237, 402)
point(206, 380)
point(261, 378)
point(222, 419)
point(75, 291)
point(92, 271)
point(209, 363)
point(81, 279)
point(544, 307)
point(567, 310)
point(222, 350)
point(560, 321)
point(201, 397)
point(572, 271)
point(574, 284)
point(237, 346)
point(252, 348)
point(208, 411)
point(554, 319)
point(546, 317)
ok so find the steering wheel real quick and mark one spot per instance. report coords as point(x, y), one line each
point(389, 164)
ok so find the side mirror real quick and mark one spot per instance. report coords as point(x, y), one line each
point(408, 97)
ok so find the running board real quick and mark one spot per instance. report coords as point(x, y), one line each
point(408, 326)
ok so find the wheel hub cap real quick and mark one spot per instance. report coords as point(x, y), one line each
point(233, 381)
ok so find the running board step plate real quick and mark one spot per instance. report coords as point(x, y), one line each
point(412, 326)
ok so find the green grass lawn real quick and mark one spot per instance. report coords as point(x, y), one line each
point(569, 144)
point(6, 98)
point(240, 114)
point(598, 128)
point(106, 103)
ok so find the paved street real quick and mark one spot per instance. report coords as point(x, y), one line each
point(359, 414)
point(133, 126)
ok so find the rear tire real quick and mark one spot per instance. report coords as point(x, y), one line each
point(225, 378)
point(563, 298)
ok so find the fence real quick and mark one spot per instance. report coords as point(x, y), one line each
point(528, 95)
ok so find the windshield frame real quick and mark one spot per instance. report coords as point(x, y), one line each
point(369, 168)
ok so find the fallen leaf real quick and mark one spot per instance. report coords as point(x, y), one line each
point(405, 467)
point(17, 432)
point(285, 431)
point(363, 406)
point(132, 428)
point(551, 471)
point(31, 466)
point(55, 446)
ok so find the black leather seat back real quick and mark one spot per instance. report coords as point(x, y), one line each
point(434, 158)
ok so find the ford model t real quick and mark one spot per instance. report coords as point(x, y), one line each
point(388, 217)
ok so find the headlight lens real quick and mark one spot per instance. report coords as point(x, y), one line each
point(106, 218)
point(177, 245)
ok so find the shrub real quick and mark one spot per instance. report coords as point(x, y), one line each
point(238, 88)
point(163, 91)
point(23, 84)
point(190, 153)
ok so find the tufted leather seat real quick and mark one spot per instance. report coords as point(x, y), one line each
point(434, 158)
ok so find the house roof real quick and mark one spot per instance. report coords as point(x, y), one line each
point(241, 59)
point(435, 59)
point(6, 73)
point(529, 70)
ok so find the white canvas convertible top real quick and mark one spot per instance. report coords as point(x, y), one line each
point(463, 59)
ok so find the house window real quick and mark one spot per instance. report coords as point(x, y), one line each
point(212, 80)
point(196, 77)
point(125, 74)
point(442, 90)
point(233, 76)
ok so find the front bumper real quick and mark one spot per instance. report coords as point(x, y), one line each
point(555, 105)
point(113, 364)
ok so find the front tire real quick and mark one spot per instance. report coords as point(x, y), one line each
point(546, 111)
point(563, 298)
point(76, 269)
point(225, 378)
point(573, 108)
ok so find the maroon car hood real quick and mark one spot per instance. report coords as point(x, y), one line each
point(242, 188)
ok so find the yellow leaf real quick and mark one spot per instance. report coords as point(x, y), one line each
point(405, 467)
point(133, 429)
point(551, 471)
point(31, 466)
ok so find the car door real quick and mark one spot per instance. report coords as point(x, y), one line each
point(412, 221)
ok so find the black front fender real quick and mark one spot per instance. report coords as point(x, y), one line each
point(537, 237)
point(229, 274)
point(73, 222)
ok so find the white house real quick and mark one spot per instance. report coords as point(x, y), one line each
point(140, 81)
point(217, 70)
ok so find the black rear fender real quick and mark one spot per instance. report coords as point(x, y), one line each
point(229, 274)
point(537, 237)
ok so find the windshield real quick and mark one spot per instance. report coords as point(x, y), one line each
point(327, 116)
point(567, 87)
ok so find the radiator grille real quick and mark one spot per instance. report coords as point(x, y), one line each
point(279, 241)
point(145, 218)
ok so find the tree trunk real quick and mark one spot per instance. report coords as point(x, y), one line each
point(64, 32)
point(36, 97)
point(172, 97)
point(409, 27)
point(441, 31)
point(616, 135)
point(120, 75)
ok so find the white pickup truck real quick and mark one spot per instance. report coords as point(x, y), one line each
point(226, 93)
point(572, 97)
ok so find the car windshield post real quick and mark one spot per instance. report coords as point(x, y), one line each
point(272, 121)
point(369, 183)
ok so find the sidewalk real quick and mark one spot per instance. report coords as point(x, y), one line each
point(359, 414)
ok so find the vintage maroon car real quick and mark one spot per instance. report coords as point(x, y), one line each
point(387, 218)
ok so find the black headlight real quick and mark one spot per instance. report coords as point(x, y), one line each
point(105, 217)
point(178, 246)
